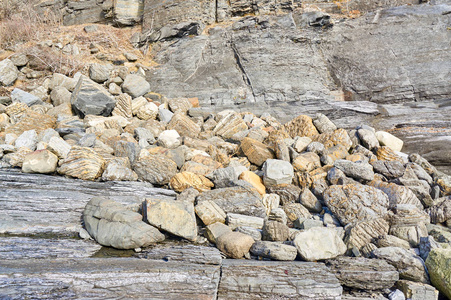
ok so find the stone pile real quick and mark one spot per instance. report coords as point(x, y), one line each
point(255, 188)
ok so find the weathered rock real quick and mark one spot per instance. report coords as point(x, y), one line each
point(306, 162)
point(441, 212)
point(301, 126)
point(274, 251)
point(270, 202)
point(309, 201)
point(409, 266)
point(60, 95)
point(417, 290)
point(255, 180)
point(234, 244)
point(209, 212)
point(99, 73)
point(144, 137)
point(180, 105)
point(184, 125)
point(186, 254)
point(356, 202)
point(363, 233)
point(390, 169)
point(337, 137)
point(426, 245)
point(288, 193)
point(440, 233)
point(409, 223)
point(255, 151)
point(89, 98)
point(439, 266)
point(368, 138)
point(156, 169)
point(444, 182)
point(169, 139)
point(123, 106)
point(301, 143)
point(229, 126)
point(276, 172)
point(27, 139)
point(337, 152)
point(386, 153)
point(397, 194)
point(148, 111)
point(8, 72)
point(392, 241)
point(18, 95)
point(135, 85)
point(319, 243)
point(244, 279)
point(63, 81)
point(184, 180)
point(175, 217)
point(111, 224)
point(275, 231)
point(215, 230)
point(323, 124)
point(356, 170)
point(295, 211)
point(237, 220)
point(41, 161)
point(31, 120)
point(118, 170)
point(165, 115)
point(363, 273)
point(83, 163)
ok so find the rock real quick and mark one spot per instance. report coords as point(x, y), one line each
point(386, 153)
point(144, 136)
point(236, 220)
point(83, 163)
point(331, 139)
point(356, 202)
point(156, 169)
point(409, 223)
point(255, 233)
point(417, 291)
point(234, 244)
point(60, 95)
point(184, 180)
point(392, 241)
point(63, 81)
point(396, 295)
point(309, 201)
point(358, 171)
point(117, 170)
point(27, 139)
point(41, 161)
point(338, 152)
point(438, 264)
point(8, 72)
point(110, 224)
point(184, 125)
point(123, 106)
point(18, 95)
point(209, 212)
point(363, 273)
point(135, 85)
point(186, 254)
point(288, 193)
point(409, 266)
point(426, 245)
point(390, 169)
point(274, 251)
point(19, 59)
point(244, 279)
point(165, 115)
point(444, 182)
point(295, 211)
point(175, 217)
point(169, 139)
point(270, 202)
point(301, 126)
point(255, 180)
point(368, 138)
point(215, 230)
point(148, 111)
point(188, 195)
point(255, 151)
point(276, 172)
point(225, 177)
point(89, 98)
point(16, 159)
point(323, 124)
point(397, 194)
point(236, 200)
point(319, 243)
point(275, 231)
point(137, 103)
point(362, 233)
point(301, 143)
point(389, 140)
point(440, 233)
point(99, 73)
point(307, 224)
point(306, 162)
point(230, 125)
point(179, 105)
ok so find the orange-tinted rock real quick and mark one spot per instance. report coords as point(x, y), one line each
point(83, 163)
point(255, 151)
point(255, 180)
point(301, 126)
point(32, 120)
point(330, 139)
point(184, 125)
point(184, 180)
point(386, 153)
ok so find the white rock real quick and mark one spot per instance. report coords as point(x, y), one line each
point(59, 146)
point(28, 139)
point(169, 139)
point(301, 143)
point(277, 172)
point(319, 243)
point(389, 140)
point(8, 72)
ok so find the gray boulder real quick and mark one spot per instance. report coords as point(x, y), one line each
point(111, 224)
point(60, 95)
point(18, 95)
point(99, 73)
point(277, 172)
point(8, 72)
point(274, 250)
point(356, 170)
point(89, 98)
point(135, 85)
point(319, 243)
point(156, 169)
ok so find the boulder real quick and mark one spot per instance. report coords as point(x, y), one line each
point(389, 140)
point(235, 200)
point(215, 230)
point(234, 244)
point(397, 194)
point(255, 151)
point(323, 124)
point(184, 125)
point(209, 212)
point(229, 126)
point(18, 95)
point(356, 170)
point(309, 201)
point(41, 161)
point(368, 138)
point(111, 224)
point(356, 202)
point(169, 139)
point(135, 86)
point(237, 220)
point(275, 231)
point(417, 290)
point(276, 172)
point(362, 233)
point(274, 250)
point(90, 98)
point(438, 264)
point(99, 73)
point(255, 180)
point(363, 273)
point(184, 180)
point(8, 72)
point(156, 169)
point(175, 217)
point(301, 126)
point(83, 163)
point(319, 243)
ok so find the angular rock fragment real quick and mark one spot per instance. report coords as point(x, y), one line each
point(386, 153)
point(31, 120)
point(135, 85)
point(323, 124)
point(184, 125)
point(337, 137)
point(440, 212)
point(156, 169)
point(229, 126)
point(215, 230)
point(288, 193)
point(209, 212)
point(8, 72)
point(18, 95)
point(123, 106)
point(276, 172)
point(148, 111)
point(390, 169)
point(306, 162)
point(417, 290)
point(41, 161)
point(119, 170)
point(295, 211)
point(184, 180)
point(175, 217)
point(274, 250)
point(237, 220)
point(83, 163)
point(438, 264)
point(389, 140)
point(364, 232)
point(255, 180)
point(301, 126)
point(397, 194)
point(358, 171)
point(255, 151)
point(275, 231)
point(111, 224)
point(319, 243)
point(234, 244)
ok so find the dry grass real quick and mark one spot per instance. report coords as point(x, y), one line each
point(49, 59)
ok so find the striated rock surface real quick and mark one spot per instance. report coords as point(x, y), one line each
point(439, 267)
point(274, 250)
point(255, 151)
point(363, 233)
point(156, 169)
point(83, 163)
point(184, 180)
